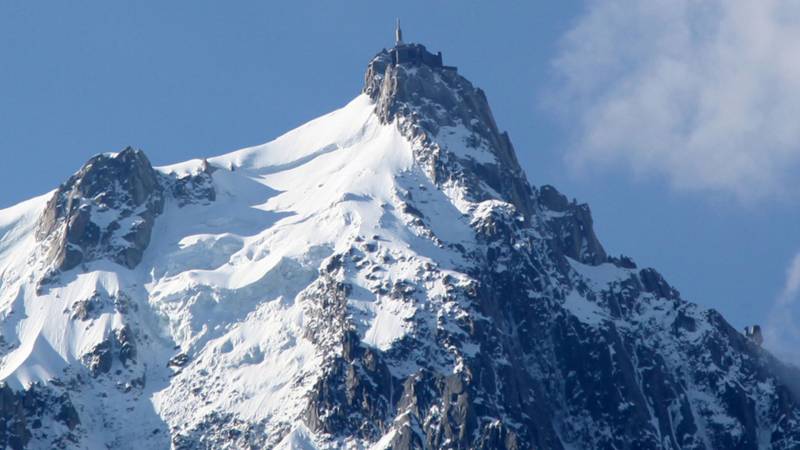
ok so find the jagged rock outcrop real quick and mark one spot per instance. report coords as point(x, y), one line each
point(107, 209)
point(572, 227)
point(32, 414)
point(196, 187)
point(444, 114)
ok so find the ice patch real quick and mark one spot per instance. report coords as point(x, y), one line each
point(586, 311)
point(600, 276)
point(465, 144)
point(297, 439)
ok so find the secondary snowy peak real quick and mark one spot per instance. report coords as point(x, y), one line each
point(108, 210)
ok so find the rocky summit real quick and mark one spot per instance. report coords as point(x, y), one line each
point(382, 277)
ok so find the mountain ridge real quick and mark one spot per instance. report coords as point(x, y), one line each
point(383, 276)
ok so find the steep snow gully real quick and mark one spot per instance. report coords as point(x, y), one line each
point(381, 277)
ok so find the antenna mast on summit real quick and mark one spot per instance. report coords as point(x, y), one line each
point(398, 34)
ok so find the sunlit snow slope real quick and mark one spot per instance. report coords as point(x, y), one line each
point(219, 280)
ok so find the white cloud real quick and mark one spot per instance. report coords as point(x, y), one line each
point(792, 286)
point(782, 333)
point(703, 92)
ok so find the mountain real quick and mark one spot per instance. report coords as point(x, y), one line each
point(381, 277)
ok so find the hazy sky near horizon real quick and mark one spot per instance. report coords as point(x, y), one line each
point(675, 120)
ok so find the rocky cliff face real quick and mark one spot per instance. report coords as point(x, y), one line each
point(448, 119)
point(382, 277)
point(107, 209)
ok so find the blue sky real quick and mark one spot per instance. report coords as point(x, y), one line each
point(667, 118)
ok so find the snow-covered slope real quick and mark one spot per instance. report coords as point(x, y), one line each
point(381, 277)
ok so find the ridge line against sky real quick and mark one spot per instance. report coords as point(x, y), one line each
point(702, 94)
point(620, 104)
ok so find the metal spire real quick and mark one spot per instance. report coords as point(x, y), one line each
point(398, 34)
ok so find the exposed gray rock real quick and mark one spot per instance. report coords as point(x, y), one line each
point(14, 433)
point(107, 209)
point(428, 101)
point(126, 345)
point(572, 227)
point(178, 361)
point(99, 303)
point(24, 414)
point(424, 100)
point(100, 359)
point(194, 187)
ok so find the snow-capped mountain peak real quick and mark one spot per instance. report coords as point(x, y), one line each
point(383, 276)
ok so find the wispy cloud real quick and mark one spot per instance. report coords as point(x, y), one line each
point(705, 93)
point(782, 333)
